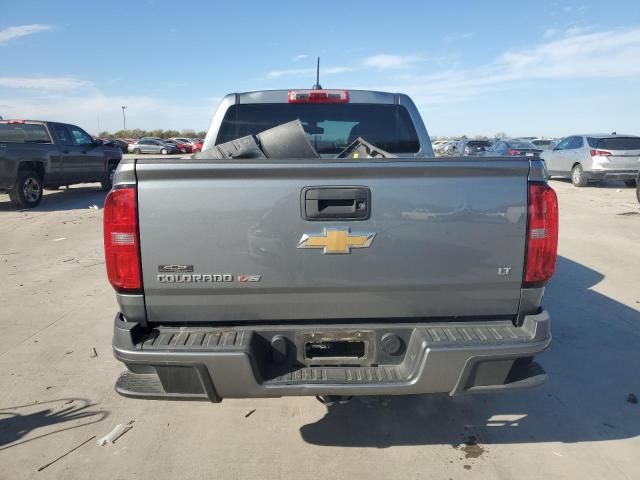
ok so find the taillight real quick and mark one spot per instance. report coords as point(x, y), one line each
point(318, 96)
point(122, 255)
point(513, 151)
point(600, 153)
point(542, 235)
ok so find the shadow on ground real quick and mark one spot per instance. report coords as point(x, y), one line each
point(75, 198)
point(25, 423)
point(593, 365)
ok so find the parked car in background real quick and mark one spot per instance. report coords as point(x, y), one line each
point(441, 147)
point(183, 147)
point(182, 139)
point(436, 143)
point(197, 144)
point(152, 146)
point(471, 147)
point(118, 143)
point(36, 155)
point(544, 143)
point(512, 148)
point(448, 148)
point(595, 157)
point(638, 186)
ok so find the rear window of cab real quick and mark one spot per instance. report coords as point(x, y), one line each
point(329, 127)
point(23, 133)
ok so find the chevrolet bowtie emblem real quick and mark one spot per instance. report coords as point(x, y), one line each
point(336, 240)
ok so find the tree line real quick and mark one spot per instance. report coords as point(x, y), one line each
point(138, 133)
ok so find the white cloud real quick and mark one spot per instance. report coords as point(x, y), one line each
point(85, 110)
point(307, 72)
point(11, 33)
point(386, 61)
point(602, 54)
point(606, 54)
point(577, 30)
point(44, 83)
point(550, 32)
point(574, 9)
point(302, 56)
point(457, 36)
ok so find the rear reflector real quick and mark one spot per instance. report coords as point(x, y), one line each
point(318, 96)
point(600, 153)
point(513, 151)
point(542, 235)
point(121, 240)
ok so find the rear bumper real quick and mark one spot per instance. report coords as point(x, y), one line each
point(626, 174)
point(200, 363)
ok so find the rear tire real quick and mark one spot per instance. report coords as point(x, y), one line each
point(163, 151)
point(577, 176)
point(630, 183)
point(136, 151)
point(27, 192)
point(107, 181)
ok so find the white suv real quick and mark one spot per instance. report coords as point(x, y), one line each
point(595, 157)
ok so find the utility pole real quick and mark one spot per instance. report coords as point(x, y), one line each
point(124, 118)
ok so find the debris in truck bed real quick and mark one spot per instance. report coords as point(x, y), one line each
point(94, 352)
point(631, 398)
point(284, 141)
point(288, 140)
point(65, 454)
point(249, 413)
point(360, 148)
point(116, 433)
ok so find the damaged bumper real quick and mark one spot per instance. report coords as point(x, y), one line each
point(211, 363)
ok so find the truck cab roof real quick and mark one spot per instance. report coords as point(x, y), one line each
point(327, 107)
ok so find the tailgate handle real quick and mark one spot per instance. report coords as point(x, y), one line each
point(336, 203)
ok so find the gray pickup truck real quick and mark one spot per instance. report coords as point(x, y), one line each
point(327, 276)
point(36, 155)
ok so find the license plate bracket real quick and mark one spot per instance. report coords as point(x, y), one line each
point(344, 347)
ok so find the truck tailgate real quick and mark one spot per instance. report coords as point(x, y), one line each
point(219, 241)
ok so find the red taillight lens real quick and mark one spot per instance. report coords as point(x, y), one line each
point(318, 96)
point(121, 240)
point(600, 153)
point(512, 151)
point(542, 235)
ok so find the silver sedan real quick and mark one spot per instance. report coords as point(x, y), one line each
point(152, 146)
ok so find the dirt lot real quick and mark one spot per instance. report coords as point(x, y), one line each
point(56, 391)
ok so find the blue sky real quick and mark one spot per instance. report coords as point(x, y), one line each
point(541, 68)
